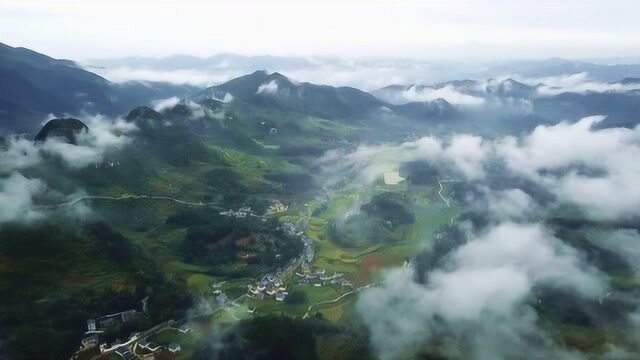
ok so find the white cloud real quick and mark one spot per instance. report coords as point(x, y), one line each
point(511, 204)
point(479, 296)
point(447, 92)
point(464, 153)
point(555, 155)
point(16, 196)
point(194, 77)
point(227, 98)
point(105, 135)
point(196, 110)
point(596, 169)
point(468, 153)
point(164, 104)
point(576, 83)
point(479, 300)
point(17, 192)
point(268, 88)
point(20, 153)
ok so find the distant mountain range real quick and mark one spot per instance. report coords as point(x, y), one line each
point(422, 71)
point(33, 86)
point(336, 103)
point(613, 72)
point(514, 102)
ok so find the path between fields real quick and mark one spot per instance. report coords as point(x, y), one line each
point(336, 299)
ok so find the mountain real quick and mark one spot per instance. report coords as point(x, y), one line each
point(508, 88)
point(604, 69)
point(621, 109)
point(557, 66)
point(276, 91)
point(65, 129)
point(437, 109)
point(33, 85)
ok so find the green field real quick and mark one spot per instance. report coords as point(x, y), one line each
point(363, 264)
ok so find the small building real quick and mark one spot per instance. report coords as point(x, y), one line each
point(280, 296)
point(255, 291)
point(91, 325)
point(124, 352)
point(174, 348)
point(91, 340)
point(184, 329)
point(144, 343)
point(117, 318)
point(216, 285)
point(346, 283)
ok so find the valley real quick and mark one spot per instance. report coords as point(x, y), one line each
point(322, 280)
point(265, 217)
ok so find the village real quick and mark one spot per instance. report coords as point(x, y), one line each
point(274, 285)
point(268, 286)
point(142, 345)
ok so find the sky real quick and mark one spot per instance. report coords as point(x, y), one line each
point(451, 29)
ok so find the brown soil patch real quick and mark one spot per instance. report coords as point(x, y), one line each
point(245, 241)
point(368, 266)
point(78, 280)
point(159, 189)
point(5, 263)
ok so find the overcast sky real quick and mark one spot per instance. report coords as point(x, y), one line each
point(448, 29)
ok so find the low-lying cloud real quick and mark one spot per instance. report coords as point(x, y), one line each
point(17, 195)
point(426, 94)
point(269, 88)
point(478, 304)
point(480, 299)
point(575, 162)
point(196, 111)
point(17, 191)
point(579, 83)
point(179, 77)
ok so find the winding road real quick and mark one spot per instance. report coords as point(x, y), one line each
point(446, 201)
point(124, 197)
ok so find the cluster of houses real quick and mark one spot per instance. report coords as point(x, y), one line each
point(146, 349)
point(319, 277)
point(276, 207)
point(90, 343)
point(242, 212)
point(96, 327)
point(269, 285)
point(134, 348)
